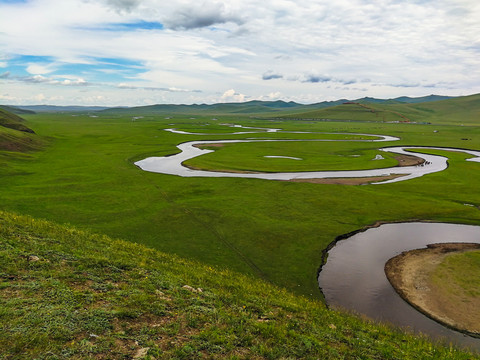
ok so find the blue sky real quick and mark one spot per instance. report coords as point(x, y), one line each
point(137, 52)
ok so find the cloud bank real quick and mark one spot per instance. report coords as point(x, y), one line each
point(194, 52)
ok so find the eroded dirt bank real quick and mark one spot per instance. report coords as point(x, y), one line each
point(410, 275)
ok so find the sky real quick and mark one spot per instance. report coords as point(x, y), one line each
point(142, 52)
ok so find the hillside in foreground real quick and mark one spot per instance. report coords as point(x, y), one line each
point(65, 293)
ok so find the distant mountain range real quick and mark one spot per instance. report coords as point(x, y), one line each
point(16, 110)
point(249, 107)
point(31, 109)
point(259, 107)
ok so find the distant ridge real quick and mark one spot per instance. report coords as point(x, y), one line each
point(250, 107)
point(54, 108)
point(431, 109)
point(410, 100)
point(16, 110)
point(261, 107)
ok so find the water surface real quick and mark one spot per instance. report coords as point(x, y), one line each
point(353, 277)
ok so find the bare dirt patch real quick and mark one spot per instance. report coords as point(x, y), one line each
point(221, 170)
point(202, 146)
point(348, 181)
point(409, 273)
point(409, 160)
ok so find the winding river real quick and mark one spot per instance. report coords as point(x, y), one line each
point(173, 164)
point(353, 277)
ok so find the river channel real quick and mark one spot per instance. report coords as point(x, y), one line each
point(173, 164)
point(354, 279)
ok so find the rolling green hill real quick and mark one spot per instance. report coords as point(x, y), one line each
point(262, 108)
point(460, 110)
point(250, 107)
point(13, 121)
point(15, 135)
point(65, 293)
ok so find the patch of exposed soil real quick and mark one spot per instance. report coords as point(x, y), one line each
point(409, 160)
point(201, 146)
point(221, 170)
point(348, 181)
point(409, 273)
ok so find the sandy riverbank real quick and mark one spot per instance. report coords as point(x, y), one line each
point(410, 273)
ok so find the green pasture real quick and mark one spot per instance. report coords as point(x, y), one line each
point(69, 294)
point(84, 175)
point(459, 274)
point(310, 156)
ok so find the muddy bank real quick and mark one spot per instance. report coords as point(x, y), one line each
point(410, 275)
point(348, 181)
point(206, 146)
point(409, 160)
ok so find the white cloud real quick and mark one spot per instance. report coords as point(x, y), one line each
point(8, 97)
point(39, 69)
point(232, 96)
point(272, 96)
point(305, 50)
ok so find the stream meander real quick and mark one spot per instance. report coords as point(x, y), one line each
point(353, 277)
point(173, 164)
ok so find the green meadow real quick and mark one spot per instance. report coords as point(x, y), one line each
point(78, 170)
point(255, 157)
point(70, 294)
point(85, 176)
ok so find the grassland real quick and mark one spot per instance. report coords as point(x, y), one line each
point(276, 231)
point(67, 293)
point(252, 157)
point(462, 270)
point(11, 121)
point(442, 282)
point(456, 279)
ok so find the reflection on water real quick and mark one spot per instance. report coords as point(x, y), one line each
point(353, 277)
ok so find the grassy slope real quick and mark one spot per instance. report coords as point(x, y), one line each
point(14, 140)
point(15, 136)
point(461, 110)
point(65, 293)
point(12, 121)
